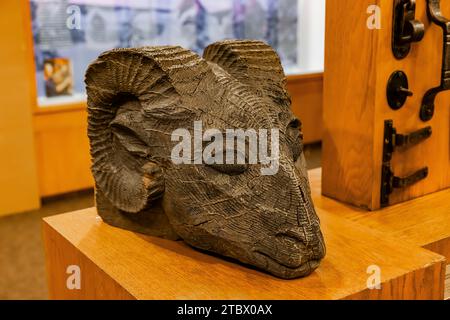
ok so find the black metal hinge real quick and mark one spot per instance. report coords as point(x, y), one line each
point(392, 141)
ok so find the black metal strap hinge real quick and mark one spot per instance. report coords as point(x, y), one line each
point(391, 182)
point(410, 180)
point(393, 140)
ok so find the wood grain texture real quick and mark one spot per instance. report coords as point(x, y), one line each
point(18, 179)
point(129, 264)
point(423, 222)
point(358, 66)
point(62, 152)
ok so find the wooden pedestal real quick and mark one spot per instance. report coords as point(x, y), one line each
point(117, 264)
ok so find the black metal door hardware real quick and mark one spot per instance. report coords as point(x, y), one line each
point(397, 90)
point(392, 141)
point(405, 28)
point(391, 182)
point(435, 15)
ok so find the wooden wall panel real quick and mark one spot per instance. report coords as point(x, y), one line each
point(18, 179)
point(62, 145)
point(307, 99)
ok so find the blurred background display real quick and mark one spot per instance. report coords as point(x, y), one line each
point(77, 31)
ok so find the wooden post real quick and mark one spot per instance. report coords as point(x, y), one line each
point(358, 64)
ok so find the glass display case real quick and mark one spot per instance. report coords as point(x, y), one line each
point(69, 34)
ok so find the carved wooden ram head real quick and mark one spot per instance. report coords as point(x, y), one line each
point(138, 97)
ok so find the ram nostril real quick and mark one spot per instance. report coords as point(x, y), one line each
point(296, 234)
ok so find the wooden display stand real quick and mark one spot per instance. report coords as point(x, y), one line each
point(358, 64)
point(118, 264)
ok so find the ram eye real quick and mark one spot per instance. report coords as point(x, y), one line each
point(231, 168)
point(295, 138)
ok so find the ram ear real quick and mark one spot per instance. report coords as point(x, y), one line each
point(253, 63)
